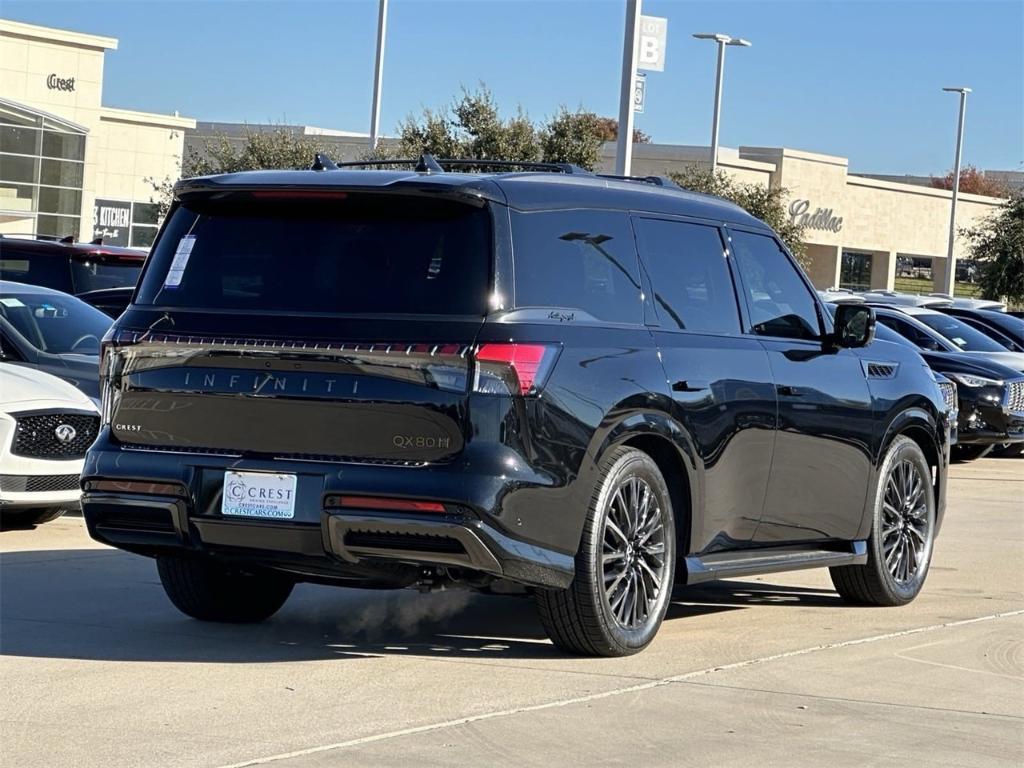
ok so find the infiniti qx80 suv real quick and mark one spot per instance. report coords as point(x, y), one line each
point(593, 388)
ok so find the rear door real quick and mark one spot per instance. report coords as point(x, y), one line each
point(720, 379)
point(821, 465)
point(325, 325)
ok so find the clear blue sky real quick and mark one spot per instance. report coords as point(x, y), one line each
point(859, 79)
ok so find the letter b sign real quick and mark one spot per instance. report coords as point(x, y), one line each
point(651, 43)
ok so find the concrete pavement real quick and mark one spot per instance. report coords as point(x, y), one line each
point(98, 669)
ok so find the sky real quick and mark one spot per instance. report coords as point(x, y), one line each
point(861, 80)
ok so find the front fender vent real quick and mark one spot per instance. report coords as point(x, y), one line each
point(876, 370)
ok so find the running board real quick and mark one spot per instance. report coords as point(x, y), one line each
point(724, 565)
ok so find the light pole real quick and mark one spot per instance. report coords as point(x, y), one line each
point(722, 40)
point(624, 146)
point(950, 258)
point(378, 73)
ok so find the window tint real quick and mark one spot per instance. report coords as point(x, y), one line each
point(324, 252)
point(916, 336)
point(956, 330)
point(49, 270)
point(779, 301)
point(689, 275)
point(578, 259)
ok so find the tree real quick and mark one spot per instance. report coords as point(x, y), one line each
point(972, 181)
point(766, 203)
point(997, 244)
point(473, 128)
point(280, 147)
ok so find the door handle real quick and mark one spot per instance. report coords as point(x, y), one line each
point(787, 391)
point(684, 386)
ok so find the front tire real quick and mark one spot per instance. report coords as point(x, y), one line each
point(208, 591)
point(902, 534)
point(970, 452)
point(27, 518)
point(625, 565)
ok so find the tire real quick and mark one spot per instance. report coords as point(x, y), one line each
point(27, 518)
point(630, 521)
point(969, 452)
point(1009, 450)
point(208, 591)
point(902, 533)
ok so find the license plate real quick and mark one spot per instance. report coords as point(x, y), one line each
point(258, 494)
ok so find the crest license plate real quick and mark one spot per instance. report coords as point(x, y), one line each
point(258, 494)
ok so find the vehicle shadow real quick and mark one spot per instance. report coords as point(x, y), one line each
point(106, 605)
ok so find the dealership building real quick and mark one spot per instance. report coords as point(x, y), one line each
point(69, 165)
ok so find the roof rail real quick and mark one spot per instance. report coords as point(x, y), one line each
point(658, 181)
point(427, 163)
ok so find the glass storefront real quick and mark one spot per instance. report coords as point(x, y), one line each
point(855, 272)
point(42, 163)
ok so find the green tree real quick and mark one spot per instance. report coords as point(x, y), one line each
point(572, 137)
point(997, 244)
point(766, 203)
point(280, 148)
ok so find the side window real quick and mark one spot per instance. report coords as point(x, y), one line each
point(690, 277)
point(26, 266)
point(578, 259)
point(909, 332)
point(779, 301)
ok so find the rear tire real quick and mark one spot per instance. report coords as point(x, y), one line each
point(208, 591)
point(625, 565)
point(27, 518)
point(902, 534)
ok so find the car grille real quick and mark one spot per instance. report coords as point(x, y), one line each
point(1015, 396)
point(948, 390)
point(38, 483)
point(36, 435)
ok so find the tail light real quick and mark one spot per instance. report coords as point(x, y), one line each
point(513, 369)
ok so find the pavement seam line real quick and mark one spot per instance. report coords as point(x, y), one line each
point(608, 694)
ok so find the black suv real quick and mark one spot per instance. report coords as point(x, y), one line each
point(595, 388)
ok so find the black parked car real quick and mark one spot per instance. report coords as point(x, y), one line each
point(86, 270)
point(595, 388)
point(999, 326)
point(990, 388)
point(49, 330)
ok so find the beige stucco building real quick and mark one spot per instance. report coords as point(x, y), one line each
point(858, 228)
point(68, 164)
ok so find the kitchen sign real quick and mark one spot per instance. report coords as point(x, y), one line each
point(822, 218)
point(111, 220)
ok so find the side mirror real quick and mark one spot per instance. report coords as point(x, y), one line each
point(854, 326)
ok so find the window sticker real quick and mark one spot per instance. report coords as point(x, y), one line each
point(181, 256)
point(11, 301)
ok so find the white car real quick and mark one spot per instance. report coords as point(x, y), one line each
point(46, 425)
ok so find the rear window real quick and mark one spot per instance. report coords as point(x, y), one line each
point(323, 253)
point(578, 259)
point(96, 275)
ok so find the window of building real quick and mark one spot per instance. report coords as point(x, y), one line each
point(855, 271)
point(578, 259)
point(780, 302)
point(42, 163)
point(144, 224)
point(692, 289)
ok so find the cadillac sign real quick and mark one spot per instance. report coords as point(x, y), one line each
point(822, 218)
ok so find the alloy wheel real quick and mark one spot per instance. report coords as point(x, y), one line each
point(906, 525)
point(633, 553)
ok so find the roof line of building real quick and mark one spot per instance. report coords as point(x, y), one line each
point(51, 34)
point(146, 118)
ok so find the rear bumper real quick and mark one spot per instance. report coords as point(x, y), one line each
point(158, 505)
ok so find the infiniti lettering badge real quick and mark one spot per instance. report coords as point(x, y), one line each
point(65, 433)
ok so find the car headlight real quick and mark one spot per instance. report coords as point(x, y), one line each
point(974, 381)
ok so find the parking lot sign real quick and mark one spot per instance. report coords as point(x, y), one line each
point(639, 92)
point(651, 43)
